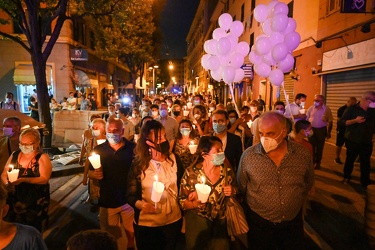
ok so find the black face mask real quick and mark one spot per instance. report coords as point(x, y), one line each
point(176, 113)
point(161, 147)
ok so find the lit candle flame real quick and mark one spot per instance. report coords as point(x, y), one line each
point(93, 153)
point(11, 167)
point(203, 179)
point(191, 142)
point(156, 178)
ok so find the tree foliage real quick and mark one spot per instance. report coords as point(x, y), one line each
point(127, 35)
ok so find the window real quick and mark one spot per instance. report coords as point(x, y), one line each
point(333, 6)
point(251, 39)
point(242, 12)
point(290, 7)
point(252, 5)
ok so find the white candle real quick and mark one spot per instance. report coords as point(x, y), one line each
point(186, 113)
point(189, 105)
point(192, 147)
point(203, 190)
point(12, 173)
point(100, 141)
point(95, 160)
point(250, 123)
point(302, 111)
point(157, 190)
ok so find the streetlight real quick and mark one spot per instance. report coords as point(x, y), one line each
point(153, 78)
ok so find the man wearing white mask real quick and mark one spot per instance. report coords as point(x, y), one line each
point(9, 103)
point(116, 155)
point(275, 176)
point(170, 124)
point(232, 145)
point(10, 141)
point(294, 109)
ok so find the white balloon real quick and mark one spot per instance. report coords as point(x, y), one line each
point(263, 45)
point(275, 38)
point(204, 61)
point(292, 40)
point(279, 22)
point(211, 46)
point(236, 60)
point(225, 60)
point(223, 46)
point(239, 75)
point(260, 13)
point(262, 69)
point(218, 33)
point(276, 77)
point(228, 74)
point(243, 48)
point(254, 58)
point(280, 8)
point(236, 28)
point(287, 64)
point(213, 63)
point(279, 52)
point(216, 75)
point(270, 7)
point(268, 59)
point(292, 25)
point(225, 21)
point(266, 26)
point(233, 41)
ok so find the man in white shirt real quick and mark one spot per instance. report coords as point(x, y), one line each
point(71, 101)
point(170, 124)
point(296, 109)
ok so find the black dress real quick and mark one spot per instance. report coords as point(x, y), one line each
point(29, 202)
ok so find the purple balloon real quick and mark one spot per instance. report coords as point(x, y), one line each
point(213, 63)
point(287, 64)
point(263, 45)
point(262, 69)
point(276, 77)
point(276, 37)
point(270, 6)
point(279, 22)
point(216, 75)
point(292, 40)
point(254, 58)
point(243, 48)
point(219, 33)
point(236, 60)
point(204, 61)
point(225, 21)
point(279, 52)
point(268, 59)
point(236, 28)
point(225, 60)
point(210, 46)
point(223, 46)
point(260, 13)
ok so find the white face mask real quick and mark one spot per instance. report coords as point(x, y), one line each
point(269, 144)
point(232, 120)
point(134, 115)
point(302, 104)
point(96, 132)
point(253, 109)
point(8, 132)
point(281, 112)
point(196, 116)
point(8, 100)
point(155, 113)
point(26, 149)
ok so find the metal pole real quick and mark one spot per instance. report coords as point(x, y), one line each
point(153, 80)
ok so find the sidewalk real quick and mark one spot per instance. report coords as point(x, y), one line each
point(336, 211)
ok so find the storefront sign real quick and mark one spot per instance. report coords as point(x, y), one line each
point(78, 55)
point(356, 6)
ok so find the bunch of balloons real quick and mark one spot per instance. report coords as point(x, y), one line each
point(225, 55)
point(272, 52)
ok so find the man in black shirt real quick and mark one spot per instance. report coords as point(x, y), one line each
point(340, 129)
point(360, 128)
point(116, 155)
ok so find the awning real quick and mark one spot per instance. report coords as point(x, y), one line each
point(108, 86)
point(130, 86)
point(24, 75)
point(85, 80)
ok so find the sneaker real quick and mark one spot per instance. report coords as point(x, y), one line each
point(338, 161)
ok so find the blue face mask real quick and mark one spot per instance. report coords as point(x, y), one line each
point(163, 113)
point(219, 128)
point(113, 138)
point(185, 131)
point(218, 158)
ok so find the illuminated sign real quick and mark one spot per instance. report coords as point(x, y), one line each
point(353, 6)
point(79, 55)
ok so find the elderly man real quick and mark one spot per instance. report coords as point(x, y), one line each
point(321, 119)
point(359, 120)
point(116, 155)
point(276, 176)
point(10, 141)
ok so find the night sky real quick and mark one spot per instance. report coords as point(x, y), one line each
point(175, 23)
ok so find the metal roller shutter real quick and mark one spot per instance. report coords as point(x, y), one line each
point(340, 86)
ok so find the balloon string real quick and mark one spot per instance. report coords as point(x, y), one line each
point(287, 101)
point(235, 104)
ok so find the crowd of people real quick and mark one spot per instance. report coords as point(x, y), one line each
point(263, 159)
